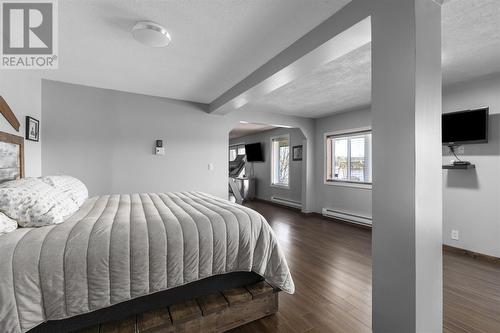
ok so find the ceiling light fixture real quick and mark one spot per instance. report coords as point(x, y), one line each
point(151, 34)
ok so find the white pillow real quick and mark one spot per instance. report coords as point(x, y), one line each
point(7, 224)
point(33, 203)
point(69, 185)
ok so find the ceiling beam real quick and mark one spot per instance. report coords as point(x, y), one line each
point(343, 32)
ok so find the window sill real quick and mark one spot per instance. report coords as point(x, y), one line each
point(284, 187)
point(349, 184)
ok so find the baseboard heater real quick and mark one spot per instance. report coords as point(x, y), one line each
point(286, 202)
point(348, 217)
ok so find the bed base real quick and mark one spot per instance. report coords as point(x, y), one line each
point(218, 312)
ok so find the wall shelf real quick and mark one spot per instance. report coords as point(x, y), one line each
point(459, 167)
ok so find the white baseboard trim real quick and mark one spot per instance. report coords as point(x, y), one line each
point(286, 202)
point(348, 217)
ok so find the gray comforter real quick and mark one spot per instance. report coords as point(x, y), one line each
point(119, 247)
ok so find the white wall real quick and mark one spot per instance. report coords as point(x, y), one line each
point(262, 170)
point(347, 199)
point(106, 138)
point(22, 91)
point(471, 198)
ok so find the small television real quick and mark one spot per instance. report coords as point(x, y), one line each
point(254, 152)
point(463, 127)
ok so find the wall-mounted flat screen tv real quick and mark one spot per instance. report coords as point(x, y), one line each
point(254, 152)
point(464, 127)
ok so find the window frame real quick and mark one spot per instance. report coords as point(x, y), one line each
point(345, 133)
point(272, 139)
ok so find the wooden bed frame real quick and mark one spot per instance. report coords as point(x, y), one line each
point(211, 311)
point(7, 140)
point(214, 313)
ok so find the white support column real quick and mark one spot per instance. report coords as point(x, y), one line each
point(407, 203)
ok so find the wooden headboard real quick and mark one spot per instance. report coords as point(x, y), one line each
point(11, 157)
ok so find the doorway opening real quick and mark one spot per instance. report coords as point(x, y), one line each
point(266, 163)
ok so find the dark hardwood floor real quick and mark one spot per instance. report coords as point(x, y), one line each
point(331, 266)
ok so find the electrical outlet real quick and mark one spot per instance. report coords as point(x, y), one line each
point(454, 235)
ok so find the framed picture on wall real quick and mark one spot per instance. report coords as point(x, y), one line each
point(297, 153)
point(32, 129)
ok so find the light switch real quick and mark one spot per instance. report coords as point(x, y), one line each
point(210, 166)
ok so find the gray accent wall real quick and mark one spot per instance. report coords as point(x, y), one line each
point(262, 170)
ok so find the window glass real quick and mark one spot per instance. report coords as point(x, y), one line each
point(358, 159)
point(340, 159)
point(280, 161)
point(349, 158)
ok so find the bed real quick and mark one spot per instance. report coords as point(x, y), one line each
point(120, 255)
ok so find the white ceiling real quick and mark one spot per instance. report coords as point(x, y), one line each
point(340, 85)
point(471, 39)
point(215, 43)
point(471, 48)
point(244, 129)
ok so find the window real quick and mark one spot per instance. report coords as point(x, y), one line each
point(235, 151)
point(280, 161)
point(349, 157)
